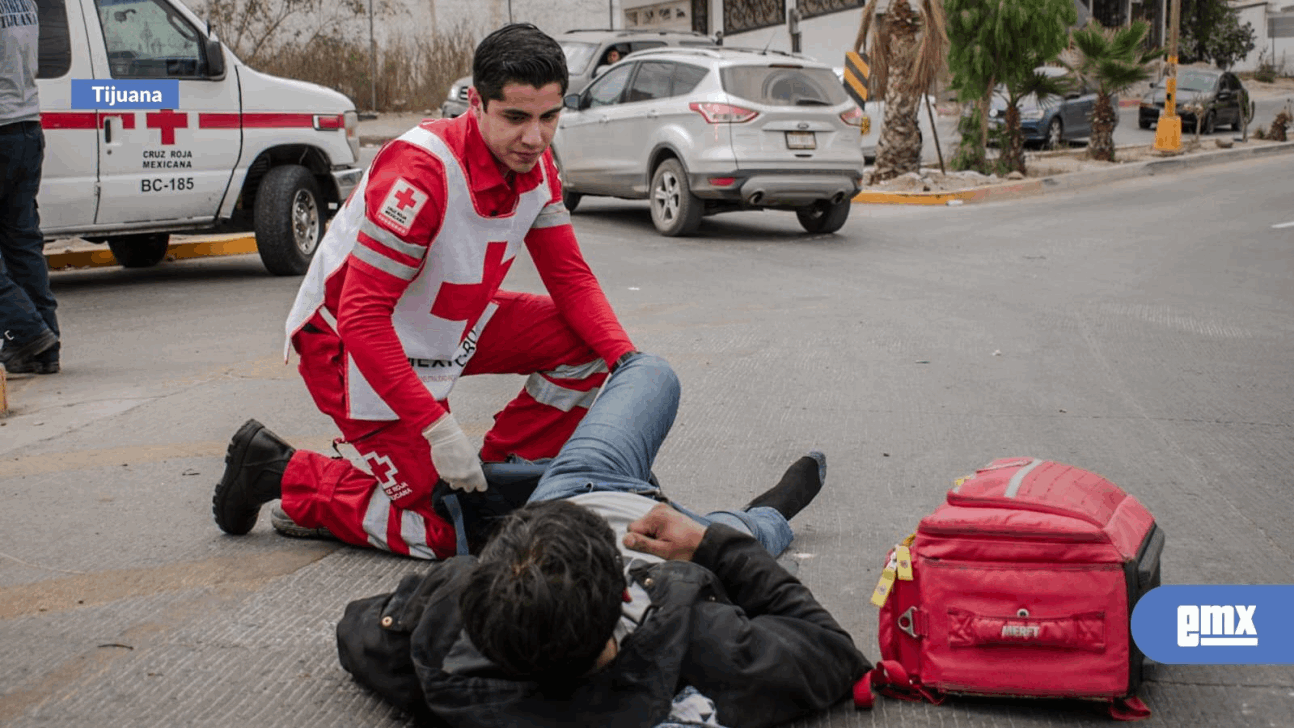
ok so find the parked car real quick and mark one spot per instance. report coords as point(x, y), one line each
point(1222, 95)
point(1054, 121)
point(700, 131)
point(586, 56)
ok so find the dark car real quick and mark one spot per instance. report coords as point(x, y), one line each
point(1220, 94)
point(588, 53)
point(1053, 121)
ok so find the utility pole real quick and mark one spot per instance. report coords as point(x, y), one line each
point(1168, 134)
point(372, 59)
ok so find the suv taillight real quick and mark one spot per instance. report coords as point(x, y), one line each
point(723, 113)
point(352, 132)
point(853, 117)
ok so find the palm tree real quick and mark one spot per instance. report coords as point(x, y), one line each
point(907, 49)
point(1038, 85)
point(1108, 60)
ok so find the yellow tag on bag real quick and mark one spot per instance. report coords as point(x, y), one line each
point(885, 585)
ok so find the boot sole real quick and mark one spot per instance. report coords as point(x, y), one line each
point(234, 456)
point(284, 524)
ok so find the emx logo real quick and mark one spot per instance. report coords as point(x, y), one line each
point(1219, 623)
point(1216, 624)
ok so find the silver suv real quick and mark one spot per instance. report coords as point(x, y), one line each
point(699, 131)
point(586, 56)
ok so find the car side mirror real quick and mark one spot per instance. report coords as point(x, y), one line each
point(215, 59)
point(571, 101)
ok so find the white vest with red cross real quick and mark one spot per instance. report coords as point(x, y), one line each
point(445, 307)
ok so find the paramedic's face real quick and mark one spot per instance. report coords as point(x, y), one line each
point(520, 126)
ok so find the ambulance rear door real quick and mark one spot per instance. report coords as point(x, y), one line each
point(68, 176)
point(163, 165)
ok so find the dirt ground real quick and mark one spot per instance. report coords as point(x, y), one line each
point(1047, 164)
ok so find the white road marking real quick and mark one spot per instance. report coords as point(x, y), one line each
point(1284, 225)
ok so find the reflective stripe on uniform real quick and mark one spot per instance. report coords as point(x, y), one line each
point(383, 263)
point(578, 371)
point(553, 215)
point(557, 396)
point(413, 531)
point(381, 235)
point(375, 519)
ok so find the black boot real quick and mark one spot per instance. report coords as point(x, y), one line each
point(797, 488)
point(253, 476)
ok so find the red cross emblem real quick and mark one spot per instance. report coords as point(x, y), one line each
point(404, 198)
point(168, 121)
point(467, 301)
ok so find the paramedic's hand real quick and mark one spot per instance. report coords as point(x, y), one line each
point(666, 533)
point(453, 456)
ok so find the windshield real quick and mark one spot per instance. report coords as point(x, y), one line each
point(1191, 81)
point(578, 55)
point(784, 85)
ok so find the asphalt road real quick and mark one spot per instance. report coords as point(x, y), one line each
point(1143, 330)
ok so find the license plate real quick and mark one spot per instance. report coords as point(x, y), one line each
point(801, 140)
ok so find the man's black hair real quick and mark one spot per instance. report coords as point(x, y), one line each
point(546, 594)
point(517, 53)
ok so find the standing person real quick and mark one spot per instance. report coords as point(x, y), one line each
point(27, 322)
point(403, 298)
point(595, 604)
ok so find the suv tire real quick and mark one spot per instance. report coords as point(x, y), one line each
point(675, 210)
point(289, 220)
point(824, 217)
point(139, 251)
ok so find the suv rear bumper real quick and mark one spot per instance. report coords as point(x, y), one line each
point(778, 189)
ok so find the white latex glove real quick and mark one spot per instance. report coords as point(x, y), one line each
point(453, 456)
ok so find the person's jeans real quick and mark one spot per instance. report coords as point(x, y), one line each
point(26, 303)
point(614, 446)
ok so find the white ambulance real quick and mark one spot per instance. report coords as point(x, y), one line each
point(241, 151)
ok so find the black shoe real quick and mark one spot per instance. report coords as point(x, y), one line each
point(797, 488)
point(15, 352)
point(253, 476)
point(31, 366)
point(284, 524)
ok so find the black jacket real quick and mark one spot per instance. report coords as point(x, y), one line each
point(731, 622)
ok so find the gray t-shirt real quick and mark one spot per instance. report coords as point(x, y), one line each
point(19, 61)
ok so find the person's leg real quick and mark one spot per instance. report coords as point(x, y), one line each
point(389, 508)
point(614, 446)
point(26, 303)
point(527, 335)
point(767, 517)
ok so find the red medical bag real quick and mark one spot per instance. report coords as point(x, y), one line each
point(1021, 584)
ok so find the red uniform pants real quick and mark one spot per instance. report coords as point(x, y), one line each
point(389, 506)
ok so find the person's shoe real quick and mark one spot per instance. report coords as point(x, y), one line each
point(31, 366)
point(284, 524)
point(797, 488)
point(253, 476)
point(15, 352)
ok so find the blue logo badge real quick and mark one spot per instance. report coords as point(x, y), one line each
point(123, 94)
point(1216, 625)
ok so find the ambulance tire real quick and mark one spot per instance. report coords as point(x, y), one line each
point(139, 251)
point(289, 219)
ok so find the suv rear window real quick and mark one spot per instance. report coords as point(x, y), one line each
point(784, 85)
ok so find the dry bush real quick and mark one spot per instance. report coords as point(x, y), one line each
point(411, 75)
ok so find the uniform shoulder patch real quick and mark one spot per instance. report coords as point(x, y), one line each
point(401, 206)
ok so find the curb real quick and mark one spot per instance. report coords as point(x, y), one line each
point(1071, 180)
point(98, 256)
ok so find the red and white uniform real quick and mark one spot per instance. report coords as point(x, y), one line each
point(403, 297)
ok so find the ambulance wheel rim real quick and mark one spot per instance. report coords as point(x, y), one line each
point(305, 222)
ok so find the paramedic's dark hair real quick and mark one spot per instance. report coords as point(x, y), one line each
point(517, 53)
point(547, 592)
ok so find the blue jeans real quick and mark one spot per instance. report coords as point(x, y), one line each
point(26, 303)
point(615, 444)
